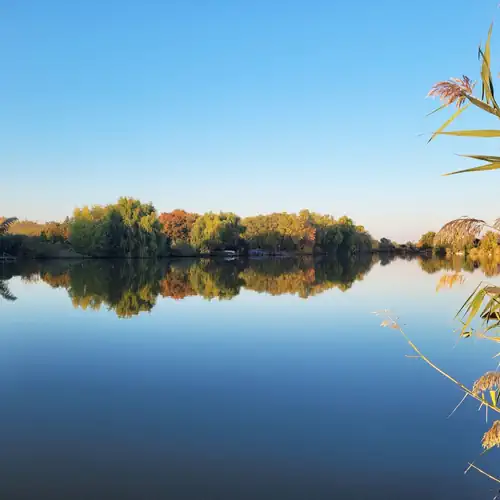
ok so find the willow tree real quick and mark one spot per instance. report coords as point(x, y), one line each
point(212, 232)
point(127, 228)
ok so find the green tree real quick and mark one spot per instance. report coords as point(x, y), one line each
point(213, 232)
point(386, 245)
point(127, 228)
point(427, 240)
point(489, 242)
point(55, 232)
point(308, 232)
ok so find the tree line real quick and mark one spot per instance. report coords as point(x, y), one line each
point(132, 229)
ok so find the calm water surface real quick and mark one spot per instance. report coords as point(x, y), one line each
point(121, 380)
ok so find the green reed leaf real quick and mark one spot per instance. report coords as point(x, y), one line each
point(484, 106)
point(437, 109)
point(492, 159)
point(488, 92)
point(469, 298)
point(448, 122)
point(474, 307)
point(488, 166)
point(472, 133)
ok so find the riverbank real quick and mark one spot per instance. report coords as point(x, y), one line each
point(32, 247)
point(54, 251)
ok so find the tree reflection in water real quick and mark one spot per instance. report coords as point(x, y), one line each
point(129, 287)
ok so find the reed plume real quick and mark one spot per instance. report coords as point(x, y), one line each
point(6, 223)
point(489, 381)
point(464, 229)
point(454, 90)
point(491, 438)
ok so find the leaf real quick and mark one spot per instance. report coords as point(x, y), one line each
point(483, 105)
point(474, 306)
point(493, 396)
point(481, 168)
point(468, 300)
point(437, 109)
point(492, 327)
point(493, 159)
point(472, 133)
point(491, 312)
point(448, 122)
point(488, 90)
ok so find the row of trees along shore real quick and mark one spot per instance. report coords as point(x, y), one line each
point(131, 229)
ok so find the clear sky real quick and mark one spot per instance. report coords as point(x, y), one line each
point(242, 105)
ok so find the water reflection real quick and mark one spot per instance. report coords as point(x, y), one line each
point(179, 391)
point(132, 287)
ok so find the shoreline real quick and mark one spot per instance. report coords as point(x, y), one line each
point(221, 256)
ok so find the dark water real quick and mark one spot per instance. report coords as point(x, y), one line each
point(121, 380)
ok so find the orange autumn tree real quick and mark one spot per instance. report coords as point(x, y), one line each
point(177, 224)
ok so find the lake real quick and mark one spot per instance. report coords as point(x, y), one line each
point(264, 379)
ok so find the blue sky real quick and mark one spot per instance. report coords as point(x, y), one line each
point(249, 106)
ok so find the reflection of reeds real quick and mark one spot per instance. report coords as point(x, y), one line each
point(6, 223)
point(450, 280)
point(5, 293)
